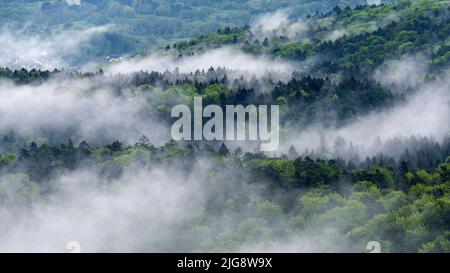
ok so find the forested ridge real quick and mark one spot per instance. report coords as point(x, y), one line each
point(350, 40)
point(136, 25)
point(365, 137)
point(398, 203)
point(152, 20)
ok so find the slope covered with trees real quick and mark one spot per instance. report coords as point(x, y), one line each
point(351, 40)
point(336, 195)
point(153, 19)
point(406, 209)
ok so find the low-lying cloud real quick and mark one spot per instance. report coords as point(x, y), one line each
point(278, 23)
point(21, 50)
point(228, 58)
point(424, 114)
point(152, 209)
point(140, 211)
point(66, 108)
point(402, 74)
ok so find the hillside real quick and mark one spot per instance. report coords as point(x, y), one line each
point(150, 21)
point(87, 147)
point(355, 40)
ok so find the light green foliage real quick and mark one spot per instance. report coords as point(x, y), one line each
point(7, 159)
point(17, 188)
point(394, 200)
point(252, 200)
point(440, 245)
point(315, 203)
point(273, 213)
point(213, 92)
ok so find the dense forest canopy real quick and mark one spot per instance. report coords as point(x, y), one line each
point(364, 105)
point(135, 25)
point(152, 19)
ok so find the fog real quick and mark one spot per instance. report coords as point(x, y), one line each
point(367, 24)
point(336, 34)
point(143, 210)
point(425, 113)
point(277, 24)
point(161, 208)
point(404, 74)
point(60, 109)
point(139, 211)
point(74, 2)
point(229, 58)
point(153, 209)
point(56, 50)
point(374, 2)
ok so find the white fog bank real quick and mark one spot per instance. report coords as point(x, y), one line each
point(229, 58)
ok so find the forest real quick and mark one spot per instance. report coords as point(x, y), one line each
point(364, 97)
